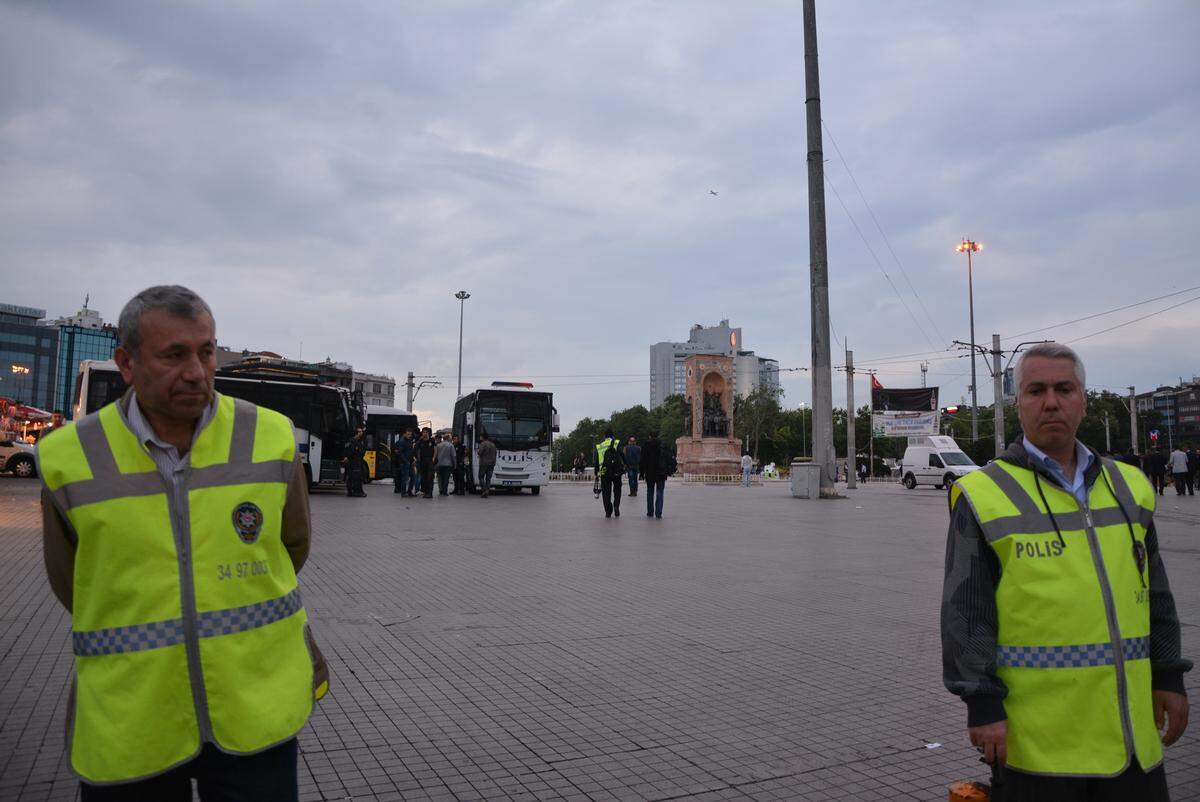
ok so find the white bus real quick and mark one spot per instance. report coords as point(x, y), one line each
point(322, 415)
point(520, 421)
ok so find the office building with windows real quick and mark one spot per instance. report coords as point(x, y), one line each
point(377, 390)
point(75, 344)
point(667, 375)
point(28, 352)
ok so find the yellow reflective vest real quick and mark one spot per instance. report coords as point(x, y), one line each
point(601, 449)
point(1073, 637)
point(187, 624)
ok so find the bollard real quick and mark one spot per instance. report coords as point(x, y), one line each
point(970, 792)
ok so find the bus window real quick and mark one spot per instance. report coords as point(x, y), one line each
point(494, 419)
point(530, 416)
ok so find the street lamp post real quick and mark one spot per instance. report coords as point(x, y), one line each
point(462, 296)
point(969, 247)
point(803, 430)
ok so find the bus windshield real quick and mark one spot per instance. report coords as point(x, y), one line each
point(515, 421)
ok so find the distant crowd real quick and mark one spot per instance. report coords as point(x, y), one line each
point(419, 461)
point(1180, 467)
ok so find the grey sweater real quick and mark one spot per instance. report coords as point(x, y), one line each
point(444, 454)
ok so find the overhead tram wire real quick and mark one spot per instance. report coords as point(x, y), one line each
point(1101, 314)
point(886, 241)
point(1135, 320)
point(878, 264)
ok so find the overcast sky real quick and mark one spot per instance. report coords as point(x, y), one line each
point(327, 175)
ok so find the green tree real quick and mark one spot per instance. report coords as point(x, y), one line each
point(756, 413)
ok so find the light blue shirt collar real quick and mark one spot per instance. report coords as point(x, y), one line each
point(1083, 460)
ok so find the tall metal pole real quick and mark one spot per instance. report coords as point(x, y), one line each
point(851, 450)
point(409, 385)
point(974, 388)
point(1107, 436)
point(998, 394)
point(871, 428)
point(1133, 443)
point(822, 369)
point(462, 296)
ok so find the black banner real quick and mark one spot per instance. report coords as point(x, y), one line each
point(918, 399)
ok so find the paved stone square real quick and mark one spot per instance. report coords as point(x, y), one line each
point(747, 646)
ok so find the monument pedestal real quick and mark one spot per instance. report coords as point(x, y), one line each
point(712, 456)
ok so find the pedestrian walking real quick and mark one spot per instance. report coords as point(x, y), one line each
point(632, 454)
point(425, 460)
point(656, 466)
point(1070, 664)
point(1155, 466)
point(402, 458)
point(1193, 461)
point(747, 467)
point(460, 466)
point(486, 451)
point(158, 512)
point(444, 454)
point(610, 468)
point(1179, 470)
point(580, 463)
point(356, 449)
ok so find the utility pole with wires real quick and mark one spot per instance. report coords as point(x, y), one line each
point(1133, 420)
point(410, 385)
point(998, 394)
point(924, 370)
point(818, 271)
point(851, 451)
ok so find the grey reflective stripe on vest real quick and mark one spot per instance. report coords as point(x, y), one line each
point(1138, 513)
point(1080, 656)
point(159, 634)
point(108, 483)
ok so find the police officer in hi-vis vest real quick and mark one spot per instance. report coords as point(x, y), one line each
point(1059, 630)
point(175, 521)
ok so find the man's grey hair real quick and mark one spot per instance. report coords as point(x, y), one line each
point(1051, 351)
point(176, 300)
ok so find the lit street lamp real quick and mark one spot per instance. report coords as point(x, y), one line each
point(462, 296)
point(969, 247)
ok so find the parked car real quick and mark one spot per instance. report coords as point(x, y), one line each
point(18, 458)
point(937, 461)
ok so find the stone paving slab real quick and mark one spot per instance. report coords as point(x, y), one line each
point(747, 646)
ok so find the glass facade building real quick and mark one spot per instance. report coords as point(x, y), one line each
point(75, 344)
point(28, 351)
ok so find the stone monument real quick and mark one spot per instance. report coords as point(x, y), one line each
point(708, 445)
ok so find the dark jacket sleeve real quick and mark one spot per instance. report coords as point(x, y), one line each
point(1167, 665)
point(58, 551)
point(296, 526)
point(969, 621)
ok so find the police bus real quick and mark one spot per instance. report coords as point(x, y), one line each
point(323, 415)
point(520, 421)
point(385, 425)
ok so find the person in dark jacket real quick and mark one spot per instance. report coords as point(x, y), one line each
point(402, 457)
point(356, 448)
point(460, 466)
point(633, 457)
point(655, 466)
point(1155, 466)
point(486, 451)
point(1193, 463)
point(425, 462)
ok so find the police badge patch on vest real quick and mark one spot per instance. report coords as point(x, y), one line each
point(247, 521)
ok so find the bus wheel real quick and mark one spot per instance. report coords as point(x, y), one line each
point(535, 490)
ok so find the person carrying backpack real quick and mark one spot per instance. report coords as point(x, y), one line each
point(609, 467)
point(657, 464)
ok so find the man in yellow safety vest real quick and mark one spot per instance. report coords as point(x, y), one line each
point(174, 522)
point(1059, 629)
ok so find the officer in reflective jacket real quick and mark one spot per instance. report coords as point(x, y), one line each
point(1059, 630)
point(175, 521)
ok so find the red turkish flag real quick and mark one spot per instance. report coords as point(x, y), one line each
point(875, 385)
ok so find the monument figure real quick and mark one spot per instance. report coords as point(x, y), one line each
point(708, 446)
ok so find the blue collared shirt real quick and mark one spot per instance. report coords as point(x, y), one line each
point(1083, 460)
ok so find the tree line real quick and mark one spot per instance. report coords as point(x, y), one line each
point(772, 433)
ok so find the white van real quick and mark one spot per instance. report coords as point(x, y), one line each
point(936, 461)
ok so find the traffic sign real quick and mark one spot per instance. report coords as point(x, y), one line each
point(1154, 435)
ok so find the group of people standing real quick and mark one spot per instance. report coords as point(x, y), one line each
point(652, 464)
point(416, 461)
point(1182, 465)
